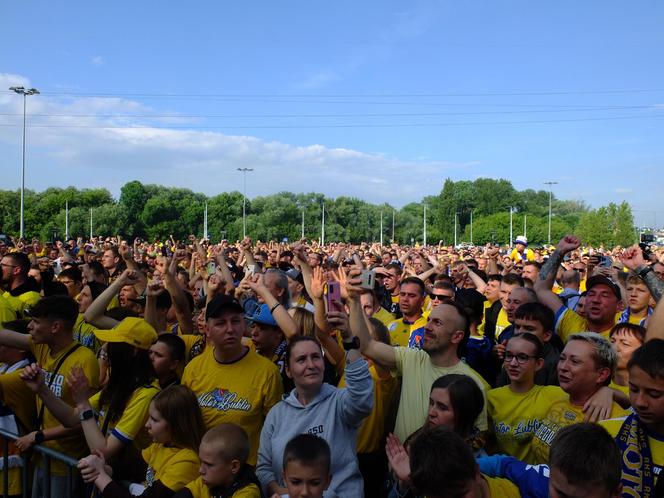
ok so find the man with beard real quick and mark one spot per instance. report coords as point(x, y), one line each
point(20, 290)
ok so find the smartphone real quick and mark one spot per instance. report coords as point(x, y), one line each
point(604, 262)
point(251, 269)
point(211, 268)
point(334, 297)
point(368, 279)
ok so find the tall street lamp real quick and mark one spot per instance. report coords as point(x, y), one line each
point(22, 91)
point(244, 200)
point(550, 184)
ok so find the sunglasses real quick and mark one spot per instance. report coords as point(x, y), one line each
point(439, 297)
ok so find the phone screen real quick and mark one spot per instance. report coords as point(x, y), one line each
point(333, 296)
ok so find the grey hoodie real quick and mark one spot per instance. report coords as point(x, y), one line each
point(334, 415)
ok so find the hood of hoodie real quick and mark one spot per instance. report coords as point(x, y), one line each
point(325, 392)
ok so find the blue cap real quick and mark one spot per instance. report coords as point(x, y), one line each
point(263, 316)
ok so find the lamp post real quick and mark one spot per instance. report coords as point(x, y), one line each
point(26, 93)
point(550, 184)
point(511, 232)
point(244, 200)
point(455, 229)
point(425, 227)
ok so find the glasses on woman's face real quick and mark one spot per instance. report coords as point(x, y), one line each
point(520, 358)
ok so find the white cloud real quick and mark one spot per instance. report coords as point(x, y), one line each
point(97, 60)
point(70, 146)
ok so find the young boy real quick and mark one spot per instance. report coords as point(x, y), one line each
point(539, 320)
point(224, 471)
point(584, 462)
point(307, 466)
point(640, 436)
point(167, 357)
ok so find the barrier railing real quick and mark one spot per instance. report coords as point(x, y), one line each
point(47, 455)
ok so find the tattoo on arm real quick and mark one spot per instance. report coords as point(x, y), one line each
point(550, 268)
point(655, 285)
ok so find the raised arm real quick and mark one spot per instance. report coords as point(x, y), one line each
point(14, 339)
point(375, 350)
point(178, 297)
point(633, 259)
point(95, 312)
point(547, 274)
point(279, 313)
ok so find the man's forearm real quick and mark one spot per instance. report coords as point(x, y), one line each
point(550, 268)
point(654, 283)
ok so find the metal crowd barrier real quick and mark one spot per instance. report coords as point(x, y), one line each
point(47, 455)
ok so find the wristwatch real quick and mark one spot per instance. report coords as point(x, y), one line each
point(39, 437)
point(86, 414)
point(354, 343)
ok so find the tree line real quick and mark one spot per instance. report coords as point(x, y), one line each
point(155, 211)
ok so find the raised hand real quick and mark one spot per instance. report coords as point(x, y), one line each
point(568, 244)
point(632, 257)
point(78, 384)
point(33, 376)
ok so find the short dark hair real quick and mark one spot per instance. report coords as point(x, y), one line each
point(72, 273)
point(394, 266)
point(415, 281)
point(57, 307)
point(466, 398)
point(649, 358)
point(587, 455)
point(21, 260)
point(538, 312)
point(513, 279)
point(175, 344)
point(295, 340)
point(309, 450)
point(533, 339)
point(495, 277)
point(635, 330)
point(441, 463)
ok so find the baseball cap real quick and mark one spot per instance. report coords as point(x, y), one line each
point(133, 331)
point(521, 239)
point(263, 316)
point(294, 274)
point(602, 280)
point(220, 303)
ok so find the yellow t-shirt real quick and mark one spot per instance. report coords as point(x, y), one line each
point(571, 322)
point(194, 344)
point(173, 467)
point(407, 334)
point(21, 302)
point(241, 392)
point(418, 374)
point(502, 322)
point(514, 417)
point(74, 446)
point(7, 311)
point(561, 414)
point(501, 488)
point(655, 442)
point(85, 336)
point(618, 387)
point(526, 255)
point(130, 427)
point(384, 316)
point(370, 433)
point(200, 490)
point(18, 414)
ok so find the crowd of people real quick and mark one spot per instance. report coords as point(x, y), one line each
point(173, 368)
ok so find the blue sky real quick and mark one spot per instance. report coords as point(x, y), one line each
point(379, 100)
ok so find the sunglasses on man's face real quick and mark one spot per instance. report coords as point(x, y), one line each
point(440, 297)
